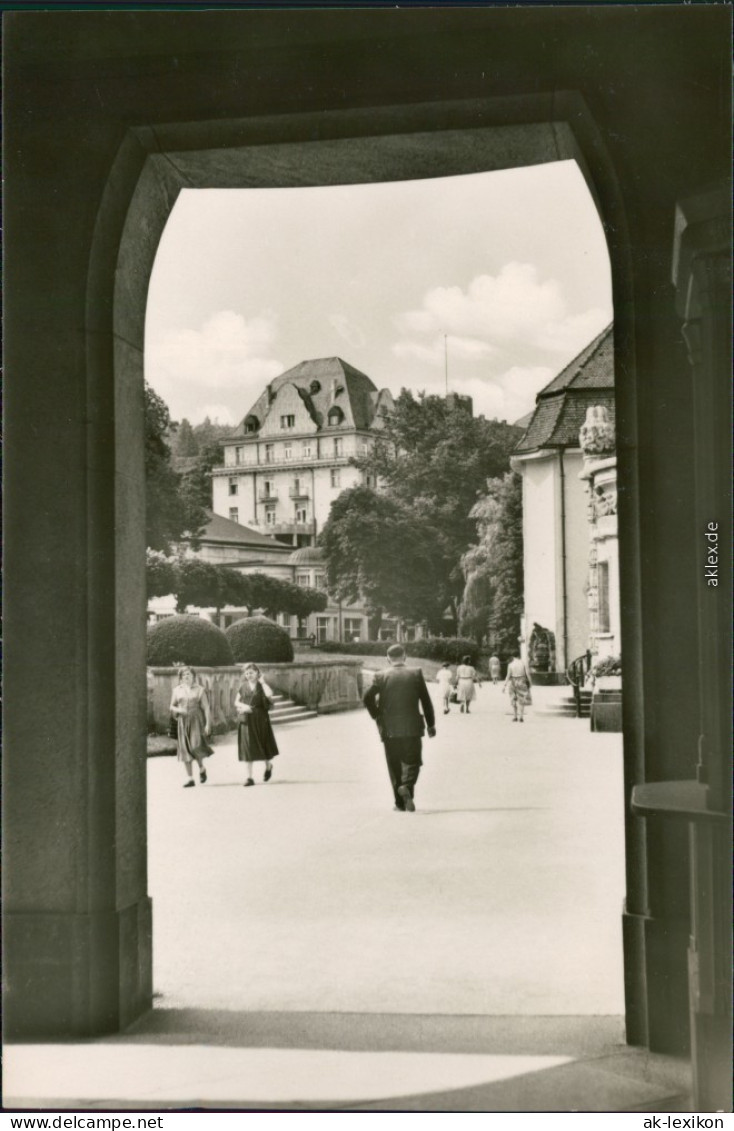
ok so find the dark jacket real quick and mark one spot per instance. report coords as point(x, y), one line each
point(393, 701)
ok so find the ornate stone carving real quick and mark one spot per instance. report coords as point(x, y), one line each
point(597, 432)
point(605, 499)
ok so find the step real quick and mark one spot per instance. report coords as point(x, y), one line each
point(297, 717)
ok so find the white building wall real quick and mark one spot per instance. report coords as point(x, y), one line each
point(264, 478)
point(577, 564)
point(539, 490)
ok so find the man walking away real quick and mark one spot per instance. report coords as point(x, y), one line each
point(394, 701)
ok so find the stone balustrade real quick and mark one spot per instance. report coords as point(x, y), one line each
point(323, 685)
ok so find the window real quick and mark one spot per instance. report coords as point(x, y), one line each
point(335, 417)
point(306, 449)
point(320, 581)
point(288, 450)
point(335, 477)
point(269, 488)
point(369, 480)
point(233, 486)
point(239, 455)
point(338, 446)
point(301, 515)
point(602, 573)
point(288, 421)
point(322, 629)
point(234, 514)
point(352, 628)
point(270, 516)
point(269, 453)
point(252, 424)
point(303, 579)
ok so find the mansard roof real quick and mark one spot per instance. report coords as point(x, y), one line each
point(323, 384)
point(561, 406)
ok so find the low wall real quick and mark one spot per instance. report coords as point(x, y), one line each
point(323, 685)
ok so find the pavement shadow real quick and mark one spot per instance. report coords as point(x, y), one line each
point(379, 1032)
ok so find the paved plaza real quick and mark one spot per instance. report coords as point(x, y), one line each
point(314, 948)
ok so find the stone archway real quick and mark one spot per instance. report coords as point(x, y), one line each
point(79, 250)
point(404, 143)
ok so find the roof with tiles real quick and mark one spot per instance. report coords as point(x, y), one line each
point(224, 531)
point(561, 406)
point(322, 383)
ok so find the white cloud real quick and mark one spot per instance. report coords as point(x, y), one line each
point(507, 397)
point(434, 353)
point(228, 351)
point(349, 331)
point(513, 307)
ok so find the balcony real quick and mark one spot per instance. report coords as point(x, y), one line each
point(266, 496)
point(299, 492)
point(279, 528)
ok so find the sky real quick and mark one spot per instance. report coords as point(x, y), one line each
point(492, 280)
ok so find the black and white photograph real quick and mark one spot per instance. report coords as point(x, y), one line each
point(367, 560)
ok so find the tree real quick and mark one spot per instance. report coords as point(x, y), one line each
point(434, 458)
point(198, 583)
point(196, 484)
point(377, 550)
point(186, 443)
point(493, 568)
point(170, 515)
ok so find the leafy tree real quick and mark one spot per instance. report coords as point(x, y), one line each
point(170, 515)
point(205, 585)
point(493, 595)
point(196, 484)
point(378, 550)
point(186, 443)
point(160, 574)
point(434, 458)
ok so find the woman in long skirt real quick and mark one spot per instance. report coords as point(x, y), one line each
point(466, 678)
point(255, 738)
point(517, 684)
point(190, 707)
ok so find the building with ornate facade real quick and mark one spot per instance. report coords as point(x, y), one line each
point(290, 456)
point(556, 534)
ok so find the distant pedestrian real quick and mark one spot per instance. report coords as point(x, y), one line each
point(466, 681)
point(494, 669)
point(518, 685)
point(445, 681)
point(394, 701)
point(190, 707)
point(255, 738)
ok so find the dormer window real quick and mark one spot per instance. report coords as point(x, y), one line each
point(288, 421)
point(252, 424)
point(335, 417)
point(314, 388)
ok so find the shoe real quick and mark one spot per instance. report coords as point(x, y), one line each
point(398, 809)
point(515, 719)
point(202, 777)
point(446, 711)
point(249, 782)
point(405, 794)
point(189, 784)
point(268, 774)
point(521, 720)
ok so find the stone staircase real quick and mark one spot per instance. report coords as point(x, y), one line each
point(565, 706)
point(286, 711)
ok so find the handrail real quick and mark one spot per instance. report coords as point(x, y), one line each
point(576, 673)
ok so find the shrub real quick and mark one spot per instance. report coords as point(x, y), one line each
point(188, 640)
point(442, 648)
point(259, 639)
point(611, 665)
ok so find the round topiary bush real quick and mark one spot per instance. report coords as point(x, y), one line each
point(259, 639)
point(188, 640)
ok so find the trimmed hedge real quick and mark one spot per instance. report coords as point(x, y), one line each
point(442, 648)
point(260, 640)
point(188, 640)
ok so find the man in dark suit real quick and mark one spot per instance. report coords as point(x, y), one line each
point(394, 701)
